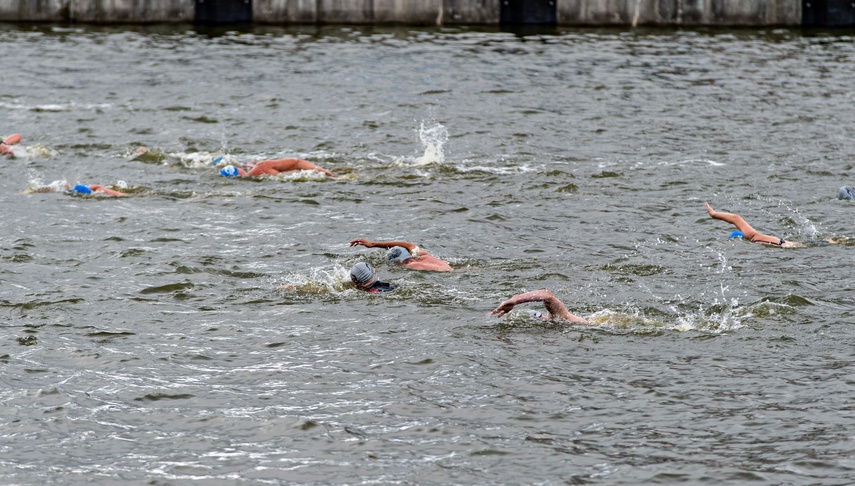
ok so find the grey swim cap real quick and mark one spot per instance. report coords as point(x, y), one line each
point(846, 192)
point(397, 254)
point(362, 274)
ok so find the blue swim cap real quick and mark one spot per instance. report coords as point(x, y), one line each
point(736, 234)
point(80, 189)
point(229, 171)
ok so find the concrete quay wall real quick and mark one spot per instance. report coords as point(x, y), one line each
point(414, 12)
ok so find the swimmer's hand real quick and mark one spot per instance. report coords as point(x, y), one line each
point(363, 242)
point(503, 308)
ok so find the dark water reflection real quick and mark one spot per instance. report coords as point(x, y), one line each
point(147, 339)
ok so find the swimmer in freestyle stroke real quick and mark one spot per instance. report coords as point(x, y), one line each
point(554, 307)
point(94, 189)
point(406, 254)
point(272, 167)
point(744, 230)
point(6, 143)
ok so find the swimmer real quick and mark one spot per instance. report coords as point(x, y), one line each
point(94, 189)
point(272, 167)
point(406, 254)
point(747, 232)
point(846, 192)
point(365, 277)
point(6, 143)
point(555, 308)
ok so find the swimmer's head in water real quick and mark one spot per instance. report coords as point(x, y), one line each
point(397, 254)
point(363, 274)
point(80, 189)
point(736, 234)
point(229, 171)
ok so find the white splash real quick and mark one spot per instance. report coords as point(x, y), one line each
point(320, 281)
point(433, 139)
point(203, 159)
point(32, 151)
point(36, 185)
point(301, 176)
point(722, 315)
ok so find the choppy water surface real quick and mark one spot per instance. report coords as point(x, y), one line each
point(148, 339)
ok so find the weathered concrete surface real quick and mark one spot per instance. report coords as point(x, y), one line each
point(34, 10)
point(680, 12)
point(133, 10)
point(487, 12)
point(411, 12)
point(419, 12)
point(97, 11)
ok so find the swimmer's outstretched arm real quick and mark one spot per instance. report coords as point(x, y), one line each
point(734, 219)
point(748, 232)
point(273, 167)
point(104, 190)
point(384, 244)
point(306, 165)
point(555, 307)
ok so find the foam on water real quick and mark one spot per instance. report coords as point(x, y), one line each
point(507, 170)
point(692, 162)
point(198, 160)
point(70, 106)
point(301, 176)
point(719, 317)
point(36, 185)
point(32, 151)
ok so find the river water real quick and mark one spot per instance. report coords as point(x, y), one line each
point(203, 330)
